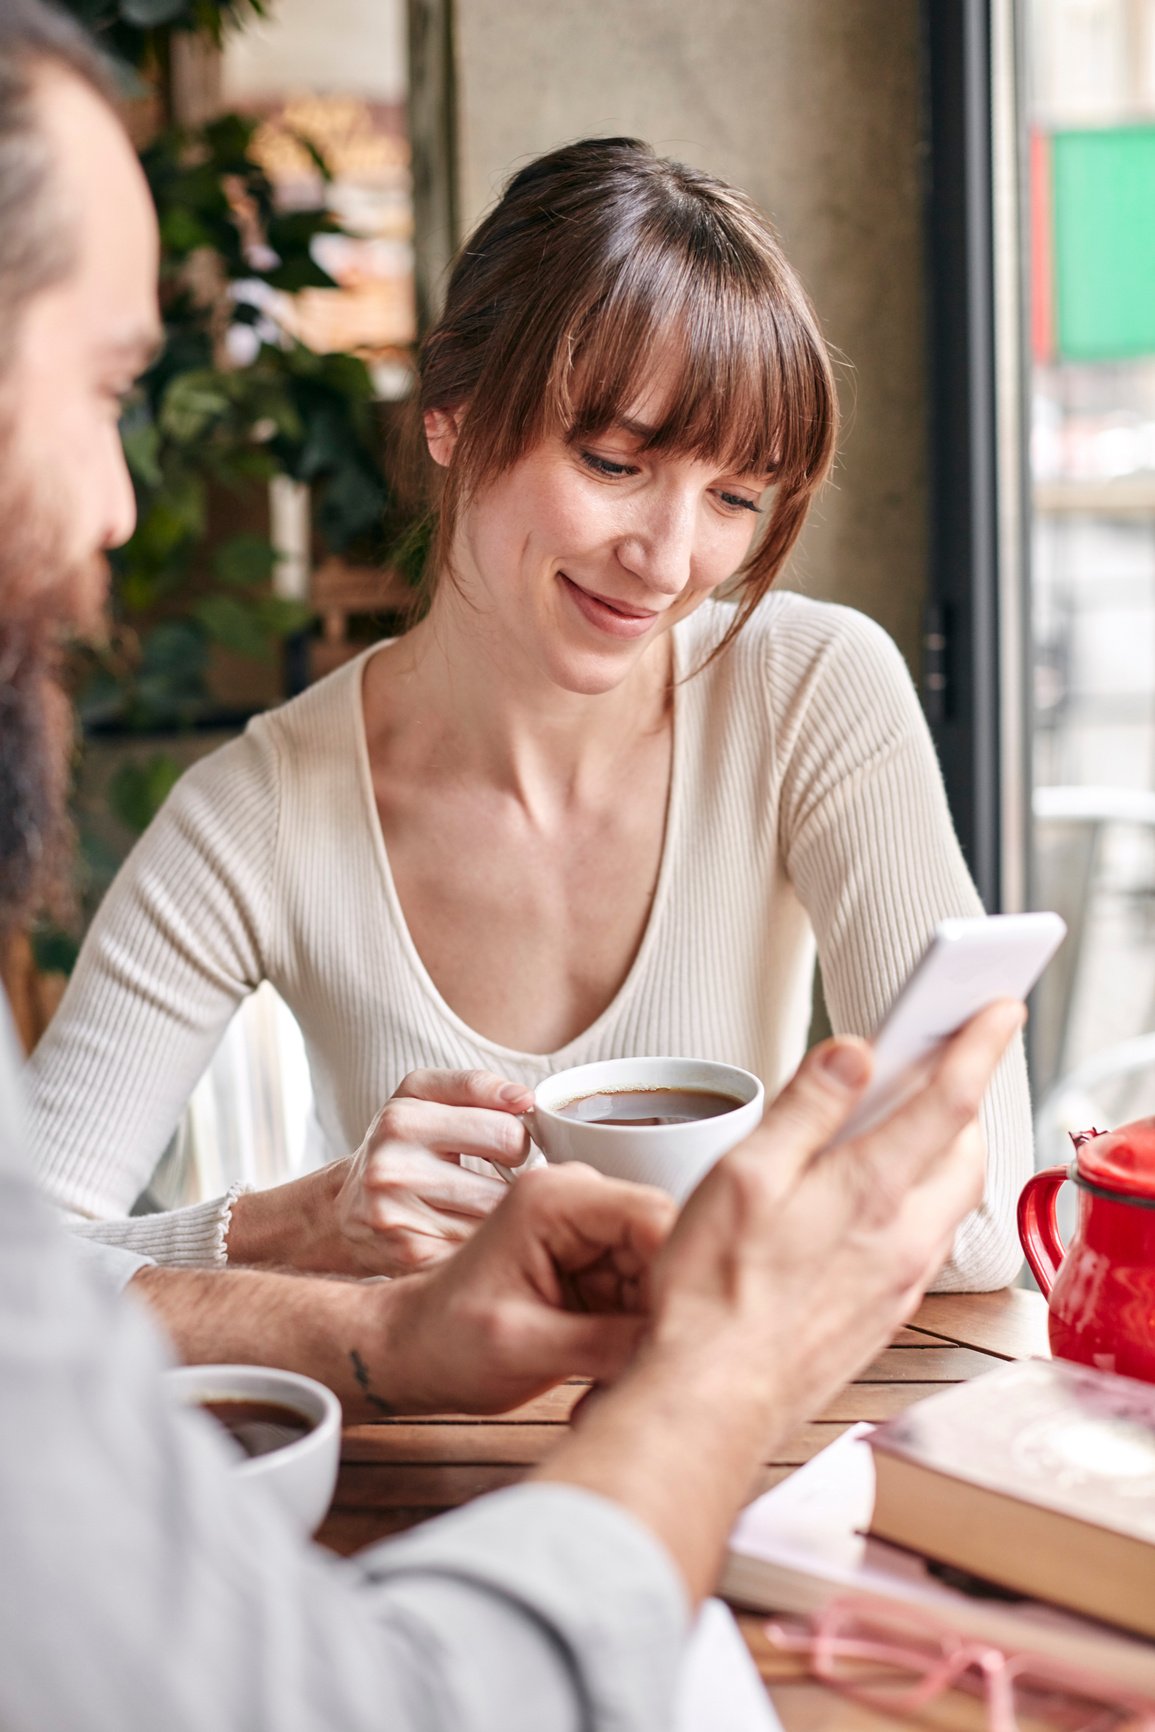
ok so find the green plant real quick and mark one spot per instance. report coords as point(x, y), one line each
point(201, 425)
point(230, 402)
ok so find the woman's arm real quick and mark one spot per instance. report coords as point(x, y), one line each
point(175, 946)
point(869, 844)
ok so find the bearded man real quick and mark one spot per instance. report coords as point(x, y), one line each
point(143, 1584)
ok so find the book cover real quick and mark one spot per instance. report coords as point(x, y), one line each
point(1045, 1432)
point(804, 1543)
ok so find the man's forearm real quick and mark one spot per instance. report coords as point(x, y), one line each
point(344, 1333)
point(679, 1451)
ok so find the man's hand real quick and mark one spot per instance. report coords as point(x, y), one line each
point(791, 1265)
point(554, 1284)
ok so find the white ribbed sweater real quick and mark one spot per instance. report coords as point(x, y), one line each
point(806, 804)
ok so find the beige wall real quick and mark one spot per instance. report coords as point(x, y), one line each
point(813, 106)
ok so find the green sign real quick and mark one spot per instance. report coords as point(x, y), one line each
point(1103, 191)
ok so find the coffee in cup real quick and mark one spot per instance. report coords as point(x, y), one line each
point(287, 1427)
point(654, 1106)
point(657, 1121)
point(256, 1427)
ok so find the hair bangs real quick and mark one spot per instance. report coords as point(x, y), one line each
point(612, 287)
point(746, 387)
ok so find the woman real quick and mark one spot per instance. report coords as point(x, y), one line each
point(583, 808)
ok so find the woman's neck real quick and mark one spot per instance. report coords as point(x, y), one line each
point(446, 699)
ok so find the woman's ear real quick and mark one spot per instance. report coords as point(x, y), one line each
point(441, 429)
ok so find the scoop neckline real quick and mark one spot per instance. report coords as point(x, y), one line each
point(424, 980)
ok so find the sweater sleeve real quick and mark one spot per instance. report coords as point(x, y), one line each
point(175, 946)
point(869, 844)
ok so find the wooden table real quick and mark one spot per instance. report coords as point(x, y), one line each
point(395, 1473)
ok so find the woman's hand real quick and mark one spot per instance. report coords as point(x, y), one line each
point(405, 1200)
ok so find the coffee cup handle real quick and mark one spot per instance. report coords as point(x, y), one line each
point(509, 1174)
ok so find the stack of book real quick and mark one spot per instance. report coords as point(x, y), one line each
point(1037, 1479)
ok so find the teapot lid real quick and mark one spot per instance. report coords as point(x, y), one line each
point(1122, 1160)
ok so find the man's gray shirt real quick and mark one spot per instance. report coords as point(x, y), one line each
point(144, 1586)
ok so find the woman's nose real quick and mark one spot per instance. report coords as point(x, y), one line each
point(660, 548)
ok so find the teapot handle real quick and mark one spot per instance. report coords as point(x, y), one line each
point(1039, 1225)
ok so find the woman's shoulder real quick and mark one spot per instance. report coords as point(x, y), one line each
point(327, 712)
point(312, 735)
point(791, 640)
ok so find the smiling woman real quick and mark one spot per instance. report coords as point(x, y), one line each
point(583, 809)
point(614, 291)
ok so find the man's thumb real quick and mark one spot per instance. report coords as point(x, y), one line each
point(818, 1099)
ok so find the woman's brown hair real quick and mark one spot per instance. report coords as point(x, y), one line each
point(600, 258)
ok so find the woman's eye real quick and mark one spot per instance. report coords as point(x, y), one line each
point(739, 502)
point(605, 465)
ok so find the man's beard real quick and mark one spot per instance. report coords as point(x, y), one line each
point(42, 599)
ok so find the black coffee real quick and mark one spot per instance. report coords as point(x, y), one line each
point(259, 1426)
point(657, 1106)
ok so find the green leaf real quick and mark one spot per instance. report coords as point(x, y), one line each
point(281, 617)
point(141, 442)
point(175, 515)
point(149, 14)
point(230, 136)
point(245, 561)
point(183, 230)
point(55, 951)
point(292, 275)
point(237, 626)
point(170, 684)
point(191, 405)
point(352, 503)
point(140, 788)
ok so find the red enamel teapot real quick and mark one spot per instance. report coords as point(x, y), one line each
point(1101, 1287)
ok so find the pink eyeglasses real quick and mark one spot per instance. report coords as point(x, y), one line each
point(901, 1661)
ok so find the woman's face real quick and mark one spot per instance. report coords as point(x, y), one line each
point(581, 556)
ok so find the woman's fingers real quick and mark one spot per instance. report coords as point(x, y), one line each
point(451, 1130)
point(396, 1174)
point(466, 1088)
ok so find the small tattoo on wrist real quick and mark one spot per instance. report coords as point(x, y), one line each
point(364, 1384)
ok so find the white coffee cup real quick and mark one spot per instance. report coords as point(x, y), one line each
point(301, 1474)
point(673, 1157)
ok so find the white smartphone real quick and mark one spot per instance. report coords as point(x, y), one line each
point(967, 965)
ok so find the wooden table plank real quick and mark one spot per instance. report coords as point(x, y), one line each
point(468, 1441)
point(877, 1401)
point(385, 1486)
point(940, 1364)
point(1012, 1324)
point(555, 1405)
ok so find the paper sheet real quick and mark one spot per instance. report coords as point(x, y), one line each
point(720, 1689)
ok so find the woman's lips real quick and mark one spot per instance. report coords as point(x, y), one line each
point(607, 616)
